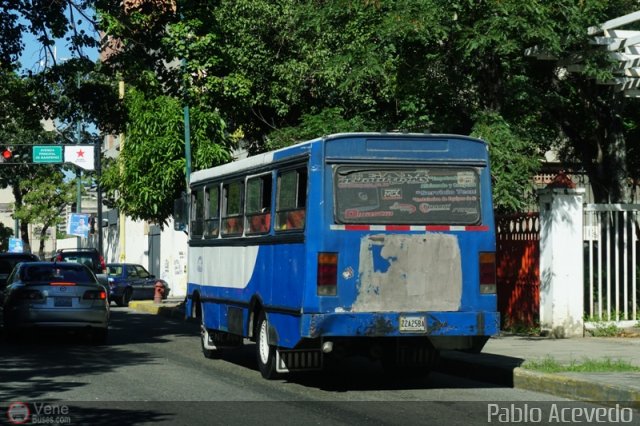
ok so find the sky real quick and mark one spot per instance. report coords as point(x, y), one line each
point(32, 53)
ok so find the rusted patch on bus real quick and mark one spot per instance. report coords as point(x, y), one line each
point(380, 326)
point(408, 272)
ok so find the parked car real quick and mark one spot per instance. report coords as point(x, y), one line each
point(129, 281)
point(88, 256)
point(8, 261)
point(55, 295)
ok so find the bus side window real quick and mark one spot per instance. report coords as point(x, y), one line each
point(232, 209)
point(295, 219)
point(197, 213)
point(212, 215)
point(258, 205)
point(291, 200)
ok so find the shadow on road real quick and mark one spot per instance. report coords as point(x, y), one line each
point(351, 374)
point(36, 364)
point(45, 363)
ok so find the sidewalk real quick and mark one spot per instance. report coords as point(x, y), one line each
point(501, 358)
point(170, 307)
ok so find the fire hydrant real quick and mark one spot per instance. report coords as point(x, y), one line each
point(158, 295)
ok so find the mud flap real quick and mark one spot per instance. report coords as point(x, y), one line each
point(298, 360)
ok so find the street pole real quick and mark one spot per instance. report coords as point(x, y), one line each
point(187, 143)
point(187, 121)
point(78, 171)
point(99, 189)
point(121, 217)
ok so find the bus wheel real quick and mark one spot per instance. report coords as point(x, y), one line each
point(265, 353)
point(209, 349)
point(207, 342)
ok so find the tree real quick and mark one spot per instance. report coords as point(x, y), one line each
point(279, 72)
point(60, 20)
point(45, 199)
point(25, 100)
point(150, 170)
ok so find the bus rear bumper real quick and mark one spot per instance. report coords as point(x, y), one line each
point(389, 324)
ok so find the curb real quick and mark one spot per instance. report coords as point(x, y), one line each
point(574, 387)
point(150, 307)
point(506, 371)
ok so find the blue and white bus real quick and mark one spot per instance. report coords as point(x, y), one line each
point(375, 243)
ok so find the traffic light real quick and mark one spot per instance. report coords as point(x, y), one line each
point(92, 225)
point(7, 154)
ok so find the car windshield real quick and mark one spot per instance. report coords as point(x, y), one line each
point(82, 259)
point(7, 264)
point(114, 269)
point(54, 273)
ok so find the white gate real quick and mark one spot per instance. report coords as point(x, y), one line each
point(610, 263)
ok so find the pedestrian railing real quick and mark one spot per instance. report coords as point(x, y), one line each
point(610, 263)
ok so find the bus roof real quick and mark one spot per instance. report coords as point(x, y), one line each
point(258, 160)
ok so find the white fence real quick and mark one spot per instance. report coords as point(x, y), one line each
point(610, 263)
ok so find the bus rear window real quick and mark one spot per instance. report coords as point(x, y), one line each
point(408, 195)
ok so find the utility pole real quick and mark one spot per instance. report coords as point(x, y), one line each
point(99, 189)
point(187, 128)
point(78, 171)
point(121, 217)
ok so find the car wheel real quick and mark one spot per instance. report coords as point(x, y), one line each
point(126, 298)
point(265, 353)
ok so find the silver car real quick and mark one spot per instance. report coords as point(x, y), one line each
point(55, 295)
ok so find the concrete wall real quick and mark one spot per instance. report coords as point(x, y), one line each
point(561, 262)
point(173, 251)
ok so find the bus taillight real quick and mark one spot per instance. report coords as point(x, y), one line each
point(327, 274)
point(487, 273)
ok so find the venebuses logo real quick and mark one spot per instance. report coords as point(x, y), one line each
point(18, 413)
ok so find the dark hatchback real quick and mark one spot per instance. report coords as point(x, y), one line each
point(130, 281)
point(8, 261)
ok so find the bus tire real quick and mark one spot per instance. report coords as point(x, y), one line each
point(209, 348)
point(265, 353)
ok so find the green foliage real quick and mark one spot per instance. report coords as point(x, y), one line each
point(60, 20)
point(514, 162)
point(150, 171)
point(45, 197)
point(326, 122)
point(279, 72)
point(5, 234)
point(588, 365)
point(605, 330)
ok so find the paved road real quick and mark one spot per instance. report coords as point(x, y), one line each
point(152, 371)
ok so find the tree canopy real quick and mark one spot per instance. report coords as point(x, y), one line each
point(270, 73)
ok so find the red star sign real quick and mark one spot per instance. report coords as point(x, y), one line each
point(80, 153)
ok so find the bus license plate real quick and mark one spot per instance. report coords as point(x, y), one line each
point(62, 302)
point(413, 324)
